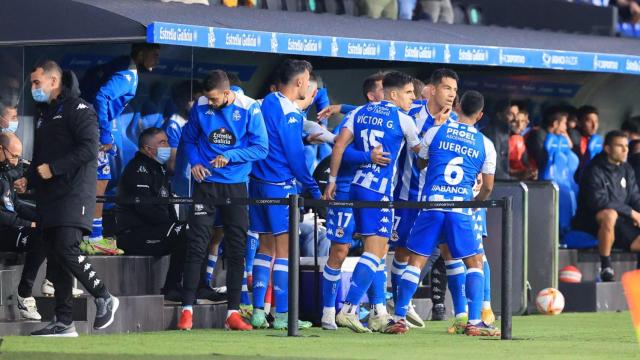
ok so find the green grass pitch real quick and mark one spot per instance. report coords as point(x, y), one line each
point(567, 336)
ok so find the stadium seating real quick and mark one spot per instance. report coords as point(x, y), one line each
point(561, 166)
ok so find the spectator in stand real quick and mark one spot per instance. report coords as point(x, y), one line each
point(588, 122)
point(628, 11)
point(519, 166)
point(498, 131)
point(522, 121)
point(554, 121)
point(609, 202)
point(631, 127)
point(151, 229)
point(440, 11)
point(379, 8)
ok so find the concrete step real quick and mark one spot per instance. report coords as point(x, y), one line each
point(204, 316)
point(588, 261)
point(593, 296)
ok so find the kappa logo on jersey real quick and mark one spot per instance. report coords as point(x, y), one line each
point(142, 170)
point(236, 115)
point(82, 106)
point(256, 111)
point(174, 126)
point(87, 266)
point(128, 77)
point(164, 192)
point(80, 259)
point(8, 204)
point(96, 282)
point(210, 111)
point(92, 274)
point(222, 136)
point(292, 120)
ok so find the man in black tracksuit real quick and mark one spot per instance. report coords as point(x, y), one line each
point(151, 229)
point(62, 173)
point(18, 224)
point(609, 202)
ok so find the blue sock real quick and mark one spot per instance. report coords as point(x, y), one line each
point(330, 281)
point(261, 273)
point(475, 285)
point(397, 268)
point(362, 277)
point(456, 278)
point(406, 289)
point(211, 267)
point(486, 269)
point(251, 250)
point(96, 229)
point(281, 284)
point(378, 288)
point(244, 294)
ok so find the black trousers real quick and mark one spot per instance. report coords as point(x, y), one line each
point(158, 240)
point(201, 220)
point(27, 240)
point(64, 262)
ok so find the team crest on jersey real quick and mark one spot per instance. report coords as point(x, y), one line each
point(222, 136)
point(339, 232)
point(236, 115)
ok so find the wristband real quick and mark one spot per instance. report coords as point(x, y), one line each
point(332, 179)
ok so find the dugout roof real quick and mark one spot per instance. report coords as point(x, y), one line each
point(306, 33)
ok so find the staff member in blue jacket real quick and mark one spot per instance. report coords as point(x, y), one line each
point(224, 135)
point(118, 87)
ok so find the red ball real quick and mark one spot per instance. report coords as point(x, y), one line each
point(570, 274)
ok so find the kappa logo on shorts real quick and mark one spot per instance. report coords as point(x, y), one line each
point(96, 282)
point(383, 230)
point(87, 266)
point(81, 259)
point(222, 136)
point(92, 274)
point(329, 232)
point(384, 220)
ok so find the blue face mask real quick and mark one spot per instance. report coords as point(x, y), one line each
point(163, 154)
point(13, 126)
point(39, 95)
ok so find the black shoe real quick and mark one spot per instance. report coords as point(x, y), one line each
point(57, 329)
point(173, 296)
point(105, 311)
point(438, 313)
point(607, 274)
point(210, 296)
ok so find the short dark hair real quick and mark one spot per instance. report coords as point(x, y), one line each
point(472, 102)
point(551, 115)
point(216, 79)
point(137, 48)
point(608, 139)
point(631, 125)
point(147, 134)
point(234, 79)
point(504, 104)
point(290, 68)
point(439, 74)
point(49, 67)
point(396, 80)
point(632, 145)
point(369, 83)
point(585, 110)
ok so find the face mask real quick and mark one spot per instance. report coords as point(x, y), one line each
point(163, 154)
point(39, 95)
point(13, 126)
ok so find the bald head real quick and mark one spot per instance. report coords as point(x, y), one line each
point(10, 148)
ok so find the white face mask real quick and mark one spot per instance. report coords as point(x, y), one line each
point(13, 126)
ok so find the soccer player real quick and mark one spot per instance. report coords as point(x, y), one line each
point(378, 123)
point(456, 153)
point(275, 177)
point(110, 100)
point(456, 275)
point(224, 135)
point(409, 186)
point(340, 223)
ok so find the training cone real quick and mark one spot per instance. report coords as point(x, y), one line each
point(631, 284)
